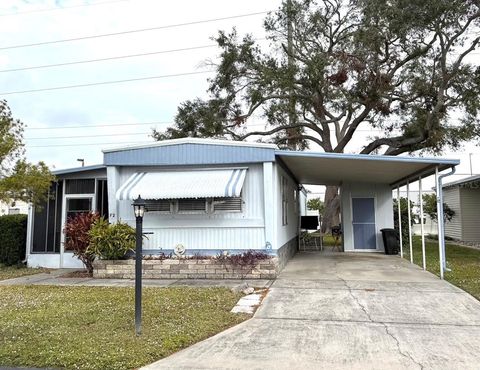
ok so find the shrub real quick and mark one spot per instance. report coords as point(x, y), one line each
point(13, 233)
point(111, 241)
point(77, 238)
point(244, 261)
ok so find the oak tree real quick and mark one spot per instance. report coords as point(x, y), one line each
point(403, 69)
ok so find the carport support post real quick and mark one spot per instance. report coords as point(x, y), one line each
point(422, 229)
point(441, 239)
point(399, 220)
point(409, 222)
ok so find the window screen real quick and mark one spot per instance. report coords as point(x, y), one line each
point(80, 186)
point(230, 204)
point(160, 205)
point(192, 205)
point(47, 225)
point(102, 198)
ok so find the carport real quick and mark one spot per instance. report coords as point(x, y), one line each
point(366, 185)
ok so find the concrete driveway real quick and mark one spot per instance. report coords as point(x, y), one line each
point(348, 311)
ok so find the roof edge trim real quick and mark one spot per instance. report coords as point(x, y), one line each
point(192, 141)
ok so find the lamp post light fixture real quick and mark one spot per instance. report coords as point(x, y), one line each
point(139, 210)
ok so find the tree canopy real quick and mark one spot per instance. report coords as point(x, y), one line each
point(19, 180)
point(316, 204)
point(430, 208)
point(400, 68)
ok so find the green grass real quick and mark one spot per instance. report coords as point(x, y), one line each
point(464, 263)
point(10, 272)
point(93, 328)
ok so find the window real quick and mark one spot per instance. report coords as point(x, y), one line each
point(159, 205)
point(193, 205)
point(284, 187)
point(233, 204)
point(75, 206)
point(14, 211)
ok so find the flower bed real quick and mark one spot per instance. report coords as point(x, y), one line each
point(187, 268)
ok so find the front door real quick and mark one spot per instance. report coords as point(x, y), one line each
point(364, 230)
point(74, 205)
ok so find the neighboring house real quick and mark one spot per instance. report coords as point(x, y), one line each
point(430, 227)
point(213, 196)
point(463, 197)
point(13, 208)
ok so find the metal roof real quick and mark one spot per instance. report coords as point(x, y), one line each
point(190, 152)
point(67, 171)
point(466, 180)
point(183, 184)
point(192, 140)
point(318, 168)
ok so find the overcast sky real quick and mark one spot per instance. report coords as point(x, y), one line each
point(140, 104)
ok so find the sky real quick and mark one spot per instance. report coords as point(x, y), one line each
point(63, 125)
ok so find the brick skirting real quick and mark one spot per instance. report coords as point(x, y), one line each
point(178, 268)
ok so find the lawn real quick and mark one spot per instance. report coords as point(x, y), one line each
point(10, 272)
point(464, 263)
point(93, 327)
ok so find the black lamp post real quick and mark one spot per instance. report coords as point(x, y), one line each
point(139, 210)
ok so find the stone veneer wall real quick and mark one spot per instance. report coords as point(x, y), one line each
point(185, 269)
point(286, 251)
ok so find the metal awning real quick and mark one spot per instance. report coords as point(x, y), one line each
point(183, 184)
point(318, 168)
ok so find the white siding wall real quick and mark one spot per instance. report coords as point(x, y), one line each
point(383, 209)
point(229, 230)
point(285, 233)
point(470, 206)
point(453, 228)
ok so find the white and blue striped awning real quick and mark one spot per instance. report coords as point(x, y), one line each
point(183, 184)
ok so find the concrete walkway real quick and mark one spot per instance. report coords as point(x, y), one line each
point(348, 311)
point(54, 277)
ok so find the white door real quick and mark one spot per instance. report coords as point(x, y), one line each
point(73, 205)
point(364, 228)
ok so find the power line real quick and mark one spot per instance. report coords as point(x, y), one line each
point(131, 31)
point(106, 59)
point(62, 8)
point(88, 136)
point(90, 144)
point(104, 83)
point(102, 125)
point(113, 58)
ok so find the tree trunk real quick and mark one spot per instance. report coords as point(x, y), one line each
point(332, 209)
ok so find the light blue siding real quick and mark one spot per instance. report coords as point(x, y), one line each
point(188, 154)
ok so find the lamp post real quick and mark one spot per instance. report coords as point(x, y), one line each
point(139, 210)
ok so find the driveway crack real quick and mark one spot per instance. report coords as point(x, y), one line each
point(362, 307)
point(387, 331)
point(404, 354)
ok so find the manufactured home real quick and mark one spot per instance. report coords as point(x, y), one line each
point(463, 197)
point(211, 196)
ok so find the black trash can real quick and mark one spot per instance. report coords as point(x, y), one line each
point(391, 241)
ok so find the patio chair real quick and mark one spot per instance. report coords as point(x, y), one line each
point(310, 223)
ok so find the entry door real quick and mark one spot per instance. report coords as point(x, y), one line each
point(364, 230)
point(74, 205)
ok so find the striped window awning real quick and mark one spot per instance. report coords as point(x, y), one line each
point(183, 184)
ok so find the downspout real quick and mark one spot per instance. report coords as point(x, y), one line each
point(440, 219)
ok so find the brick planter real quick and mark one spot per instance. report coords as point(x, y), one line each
point(185, 269)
